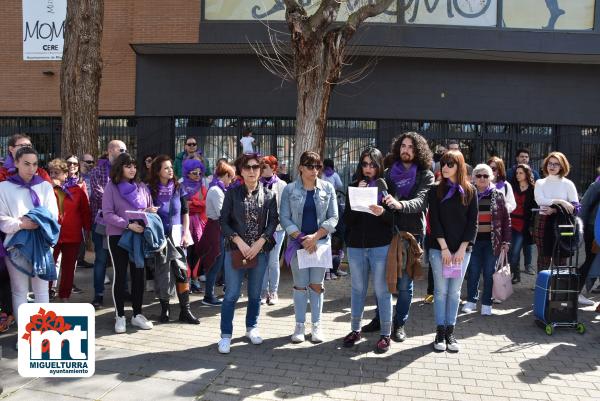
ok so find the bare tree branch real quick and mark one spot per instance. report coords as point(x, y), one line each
point(360, 15)
point(324, 16)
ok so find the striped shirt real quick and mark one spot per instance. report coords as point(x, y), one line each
point(484, 217)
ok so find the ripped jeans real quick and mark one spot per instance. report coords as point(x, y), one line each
point(302, 279)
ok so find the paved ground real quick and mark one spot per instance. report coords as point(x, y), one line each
point(503, 357)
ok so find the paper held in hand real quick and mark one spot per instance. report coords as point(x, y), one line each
point(361, 198)
point(320, 258)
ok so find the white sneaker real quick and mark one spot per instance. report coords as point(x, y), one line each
point(120, 324)
point(140, 321)
point(486, 310)
point(469, 307)
point(298, 335)
point(316, 335)
point(224, 345)
point(106, 279)
point(254, 336)
point(583, 301)
point(150, 286)
point(202, 278)
point(341, 273)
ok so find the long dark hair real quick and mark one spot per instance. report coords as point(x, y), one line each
point(461, 176)
point(116, 171)
point(528, 176)
point(423, 155)
point(376, 158)
point(500, 169)
point(154, 175)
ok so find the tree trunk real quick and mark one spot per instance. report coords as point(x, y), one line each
point(80, 76)
point(318, 67)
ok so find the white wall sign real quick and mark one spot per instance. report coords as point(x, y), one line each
point(43, 29)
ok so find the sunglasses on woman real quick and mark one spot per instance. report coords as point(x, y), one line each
point(313, 166)
point(449, 164)
point(251, 167)
point(482, 176)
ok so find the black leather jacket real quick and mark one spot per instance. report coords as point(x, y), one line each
point(232, 218)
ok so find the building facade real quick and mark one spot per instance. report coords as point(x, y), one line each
point(494, 74)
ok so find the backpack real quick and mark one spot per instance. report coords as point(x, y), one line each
point(568, 233)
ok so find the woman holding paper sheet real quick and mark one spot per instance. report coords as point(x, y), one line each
point(309, 215)
point(453, 222)
point(368, 237)
point(125, 193)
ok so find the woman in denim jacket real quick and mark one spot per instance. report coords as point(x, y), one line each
point(309, 214)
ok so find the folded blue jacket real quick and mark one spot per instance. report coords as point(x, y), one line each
point(30, 250)
point(142, 246)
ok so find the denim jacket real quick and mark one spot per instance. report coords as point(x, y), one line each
point(292, 206)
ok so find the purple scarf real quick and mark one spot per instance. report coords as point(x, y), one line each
point(132, 194)
point(165, 192)
point(234, 184)
point(598, 179)
point(328, 171)
point(403, 179)
point(216, 182)
point(9, 163)
point(104, 163)
point(486, 193)
point(191, 187)
point(500, 184)
point(293, 246)
point(268, 182)
point(36, 179)
point(69, 182)
point(452, 190)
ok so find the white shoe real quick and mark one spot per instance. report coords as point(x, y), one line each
point(202, 278)
point(254, 336)
point(583, 301)
point(469, 307)
point(298, 335)
point(140, 321)
point(486, 310)
point(150, 286)
point(341, 273)
point(496, 301)
point(316, 335)
point(120, 324)
point(106, 279)
point(225, 345)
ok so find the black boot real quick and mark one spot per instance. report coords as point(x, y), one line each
point(398, 333)
point(165, 312)
point(451, 343)
point(372, 326)
point(439, 344)
point(185, 315)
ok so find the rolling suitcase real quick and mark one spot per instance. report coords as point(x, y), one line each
point(557, 289)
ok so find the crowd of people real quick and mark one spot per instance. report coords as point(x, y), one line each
point(178, 222)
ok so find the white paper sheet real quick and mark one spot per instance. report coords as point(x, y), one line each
point(362, 198)
point(320, 258)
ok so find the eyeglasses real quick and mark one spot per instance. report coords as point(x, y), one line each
point(449, 164)
point(482, 176)
point(88, 161)
point(23, 145)
point(251, 167)
point(191, 144)
point(553, 165)
point(369, 164)
point(313, 166)
point(122, 150)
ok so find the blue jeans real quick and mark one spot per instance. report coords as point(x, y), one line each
point(482, 261)
point(99, 262)
point(527, 253)
point(516, 244)
point(446, 292)
point(211, 276)
point(362, 261)
point(302, 291)
point(233, 280)
point(272, 273)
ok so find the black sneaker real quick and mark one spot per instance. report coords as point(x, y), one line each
point(398, 334)
point(439, 344)
point(98, 302)
point(211, 301)
point(84, 264)
point(76, 290)
point(352, 338)
point(451, 343)
point(383, 345)
point(372, 326)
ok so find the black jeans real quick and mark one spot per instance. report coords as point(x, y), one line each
point(120, 260)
